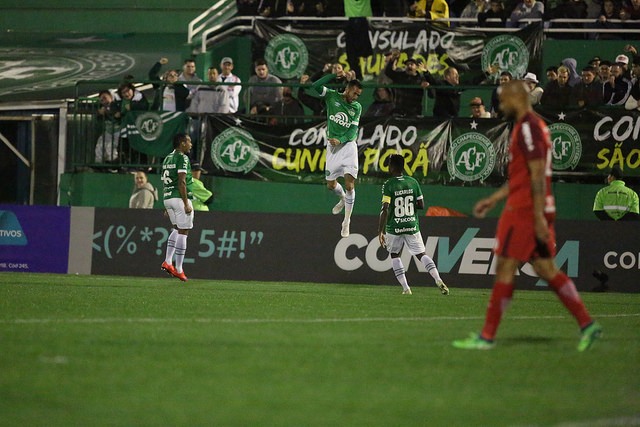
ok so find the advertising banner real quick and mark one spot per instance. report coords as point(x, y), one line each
point(461, 151)
point(308, 248)
point(291, 50)
point(34, 238)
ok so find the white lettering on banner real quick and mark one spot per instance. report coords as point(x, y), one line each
point(621, 130)
point(386, 39)
point(390, 136)
point(474, 254)
point(626, 260)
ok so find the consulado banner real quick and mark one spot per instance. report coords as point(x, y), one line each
point(294, 49)
point(461, 151)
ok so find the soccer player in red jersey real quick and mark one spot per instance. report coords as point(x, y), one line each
point(525, 229)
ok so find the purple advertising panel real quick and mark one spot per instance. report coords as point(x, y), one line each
point(34, 238)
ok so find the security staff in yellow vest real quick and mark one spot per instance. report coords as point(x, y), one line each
point(616, 202)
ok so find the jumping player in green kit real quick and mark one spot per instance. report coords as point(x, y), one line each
point(343, 118)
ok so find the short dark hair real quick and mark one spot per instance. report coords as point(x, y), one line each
point(507, 73)
point(260, 61)
point(589, 69)
point(179, 138)
point(396, 161)
point(616, 172)
point(355, 83)
point(552, 68)
point(605, 62)
point(189, 60)
point(105, 91)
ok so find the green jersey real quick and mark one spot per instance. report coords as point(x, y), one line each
point(343, 118)
point(355, 8)
point(616, 200)
point(402, 193)
point(172, 165)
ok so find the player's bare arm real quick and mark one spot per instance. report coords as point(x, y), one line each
point(384, 212)
point(182, 188)
point(334, 141)
point(485, 205)
point(537, 169)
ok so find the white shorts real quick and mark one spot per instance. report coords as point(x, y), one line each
point(341, 160)
point(414, 243)
point(177, 215)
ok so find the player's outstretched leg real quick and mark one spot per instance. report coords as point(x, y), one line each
point(338, 191)
point(398, 270)
point(433, 271)
point(181, 249)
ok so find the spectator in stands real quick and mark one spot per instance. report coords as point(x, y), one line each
point(632, 11)
point(618, 88)
point(189, 75)
point(131, 99)
point(574, 77)
point(144, 193)
point(408, 100)
point(568, 9)
point(610, 10)
point(447, 101)
point(528, 9)
point(604, 71)
point(210, 99)
point(272, 8)
point(497, 11)
point(588, 93)
point(169, 95)
point(263, 95)
point(226, 76)
point(473, 9)
point(558, 93)
point(535, 91)
point(595, 62)
point(438, 9)
point(633, 101)
point(109, 127)
point(623, 63)
point(551, 73)
point(287, 106)
point(477, 109)
point(505, 77)
point(247, 7)
point(382, 105)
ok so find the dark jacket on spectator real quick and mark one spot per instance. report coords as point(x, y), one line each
point(408, 100)
point(591, 94)
point(181, 91)
point(447, 101)
point(556, 96)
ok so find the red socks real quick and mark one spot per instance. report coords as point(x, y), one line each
point(498, 303)
point(565, 289)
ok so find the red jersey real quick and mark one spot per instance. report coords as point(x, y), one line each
point(530, 140)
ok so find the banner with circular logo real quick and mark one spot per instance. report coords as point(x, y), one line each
point(507, 51)
point(566, 146)
point(235, 150)
point(287, 56)
point(471, 157)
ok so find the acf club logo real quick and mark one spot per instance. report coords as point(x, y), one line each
point(149, 126)
point(34, 69)
point(287, 56)
point(471, 157)
point(508, 52)
point(566, 146)
point(235, 150)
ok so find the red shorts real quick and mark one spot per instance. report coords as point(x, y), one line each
point(516, 237)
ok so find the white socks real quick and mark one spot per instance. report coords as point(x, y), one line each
point(431, 267)
point(171, 246)
point(339, 191)
point(398, 269)
point(181, 249)
point(349, 200)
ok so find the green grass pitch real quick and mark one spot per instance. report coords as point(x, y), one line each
point(125, 351)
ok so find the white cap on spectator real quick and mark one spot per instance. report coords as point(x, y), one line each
point(226, 59)
point(531, 77)
point(622, 58)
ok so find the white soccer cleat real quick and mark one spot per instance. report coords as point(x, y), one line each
point(443, 288)
point(345, 228)
point(407, 292)
point(338, 207)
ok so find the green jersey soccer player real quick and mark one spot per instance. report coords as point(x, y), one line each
point(343, 118)
point(398, 225)
point(177, 192)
